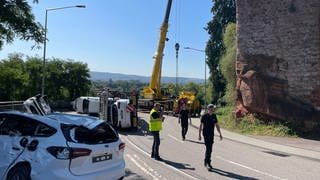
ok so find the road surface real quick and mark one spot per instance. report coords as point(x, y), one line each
point(184, 159)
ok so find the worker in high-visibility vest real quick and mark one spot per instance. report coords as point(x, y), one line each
point(155, 126)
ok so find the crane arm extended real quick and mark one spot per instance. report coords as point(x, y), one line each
point(154, 89)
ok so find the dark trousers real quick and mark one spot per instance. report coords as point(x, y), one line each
point(156, 143)
point(209, 144)
point(184, 128)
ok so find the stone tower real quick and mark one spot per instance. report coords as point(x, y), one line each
point(278, 59)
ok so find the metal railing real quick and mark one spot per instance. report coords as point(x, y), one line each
point(11, 105)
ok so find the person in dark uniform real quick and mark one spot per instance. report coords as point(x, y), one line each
point(208, 122)
point(183, 120)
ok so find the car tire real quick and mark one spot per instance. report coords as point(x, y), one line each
point(21, 172)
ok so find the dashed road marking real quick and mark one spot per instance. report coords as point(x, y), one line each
point(141, 167)
point(171, 167)
point(250, 168)
point(175, 138)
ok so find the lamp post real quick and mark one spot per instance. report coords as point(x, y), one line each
point(205, 75)
point(45, 41)
point(177, 46)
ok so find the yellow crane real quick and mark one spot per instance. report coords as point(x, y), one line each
point(154, 93)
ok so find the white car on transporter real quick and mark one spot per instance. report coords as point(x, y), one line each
point(59, 146)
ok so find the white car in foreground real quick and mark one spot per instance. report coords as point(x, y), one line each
point(59, 146)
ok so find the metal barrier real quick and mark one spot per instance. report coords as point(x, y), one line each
point(11, 105)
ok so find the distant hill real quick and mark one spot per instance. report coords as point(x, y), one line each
point(105, 76)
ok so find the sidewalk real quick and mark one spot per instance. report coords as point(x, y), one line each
point(294, 146)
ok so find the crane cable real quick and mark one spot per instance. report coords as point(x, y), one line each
point(177, 20)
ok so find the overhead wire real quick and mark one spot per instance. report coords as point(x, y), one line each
point(177, 20)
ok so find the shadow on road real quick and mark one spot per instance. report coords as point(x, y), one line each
point(178, 165)
point(197, 142)
point(132, 175)
point(230, 174)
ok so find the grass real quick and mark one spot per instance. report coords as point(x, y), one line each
point(251, 125)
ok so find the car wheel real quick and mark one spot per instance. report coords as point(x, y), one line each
point(19, 172)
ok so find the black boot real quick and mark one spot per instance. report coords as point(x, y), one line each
point(205, 163)
point(158, 158)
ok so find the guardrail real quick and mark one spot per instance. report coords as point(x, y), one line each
point(11, 105)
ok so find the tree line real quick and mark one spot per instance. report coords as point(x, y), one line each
point(65, 80)
point(22, 78)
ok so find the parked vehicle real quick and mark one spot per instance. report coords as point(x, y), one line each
point(59, 146)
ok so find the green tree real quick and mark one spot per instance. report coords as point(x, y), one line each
point(12, 78)
point(19, 79)
point(55, 79)
point(224, 11)
point(18, 21)
point(172, 89)
point(33, 67)
point(227, 63)
point(77, 79)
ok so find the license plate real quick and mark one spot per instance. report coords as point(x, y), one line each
point(102, 158)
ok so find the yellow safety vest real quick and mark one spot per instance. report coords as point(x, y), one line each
point(155, 124)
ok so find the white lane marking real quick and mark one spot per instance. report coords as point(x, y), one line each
point(171, 167)
point(175, 138)
point(252, 169)
point(142, 151)
point(140, 166)
point(149, 168)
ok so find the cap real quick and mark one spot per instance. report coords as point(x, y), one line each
point(211, 106)
point(156, 104)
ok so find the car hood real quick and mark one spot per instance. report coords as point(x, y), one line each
point(79, 120)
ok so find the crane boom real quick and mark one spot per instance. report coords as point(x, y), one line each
point(153, 91)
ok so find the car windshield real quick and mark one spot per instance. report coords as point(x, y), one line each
point(103, 133)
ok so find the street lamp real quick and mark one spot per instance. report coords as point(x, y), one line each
point(205, 75)
point(45, 41)
point(177, 46)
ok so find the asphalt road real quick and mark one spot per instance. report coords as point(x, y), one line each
point(184, 159)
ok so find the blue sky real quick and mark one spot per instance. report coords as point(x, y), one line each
point(121, 36)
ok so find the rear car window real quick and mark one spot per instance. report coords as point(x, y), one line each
point(103, 133)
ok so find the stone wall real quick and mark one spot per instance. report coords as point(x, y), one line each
point(278, 59)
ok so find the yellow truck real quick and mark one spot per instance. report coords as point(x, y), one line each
point(189, 98)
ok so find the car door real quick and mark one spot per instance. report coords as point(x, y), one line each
point(10, 137)
point(16, 127)
point(43, 136)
